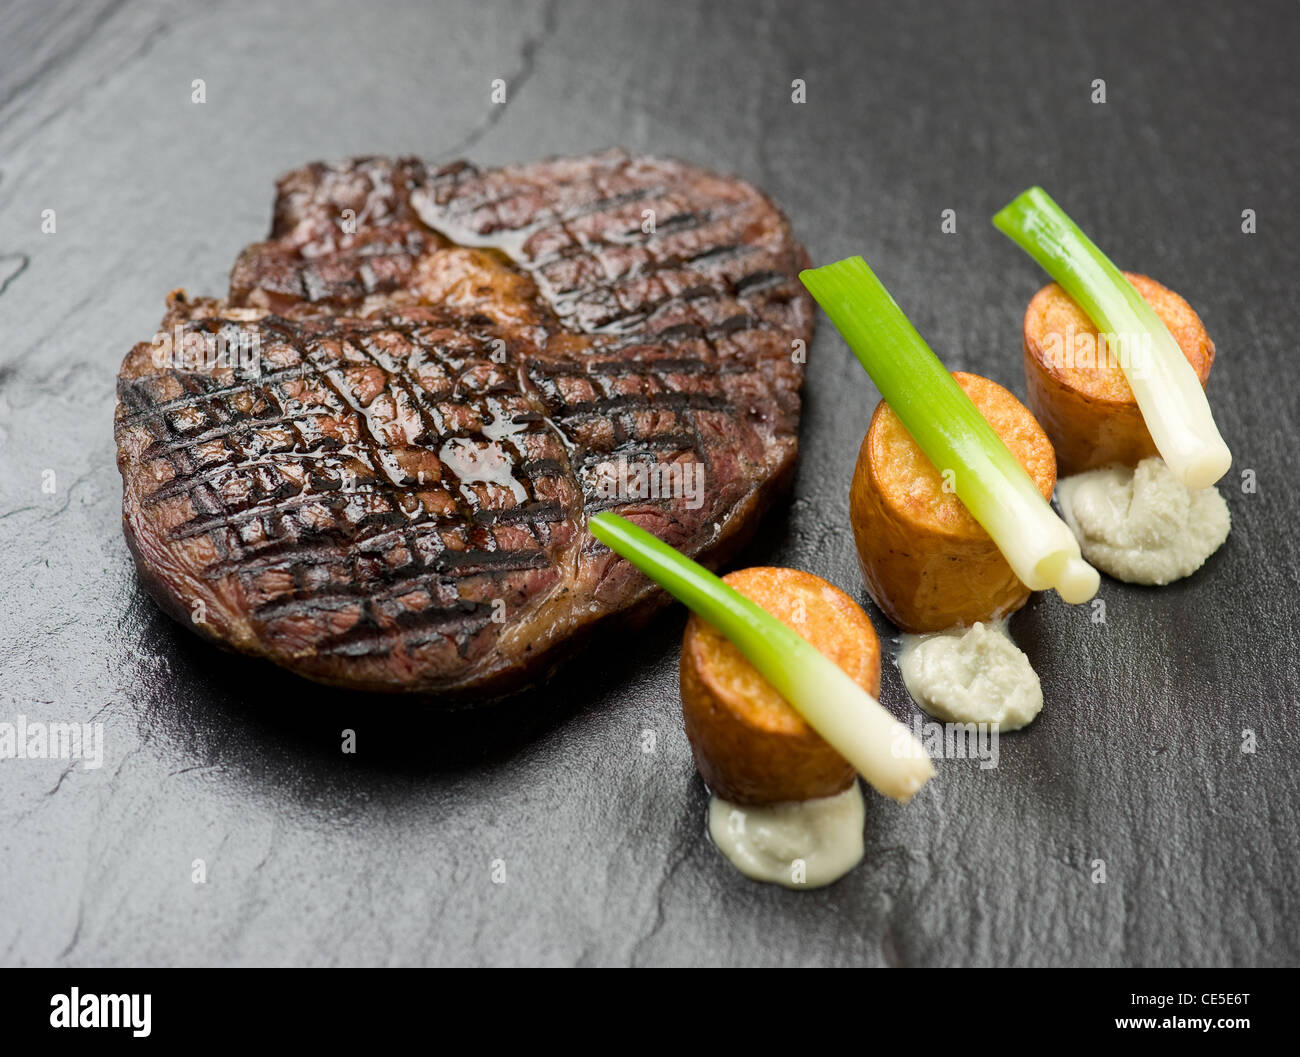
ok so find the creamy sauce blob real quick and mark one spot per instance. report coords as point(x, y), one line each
point(1142, 525)
point(803, 844)
point(972, 675)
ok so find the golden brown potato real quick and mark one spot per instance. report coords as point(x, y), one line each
point(1083, 399)
point(750, 746)
point(927, 562)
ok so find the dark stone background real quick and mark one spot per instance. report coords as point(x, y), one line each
point(384, 857)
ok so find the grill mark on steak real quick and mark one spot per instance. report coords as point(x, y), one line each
point(440, 387)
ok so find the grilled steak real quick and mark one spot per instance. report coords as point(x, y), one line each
point(373, 462)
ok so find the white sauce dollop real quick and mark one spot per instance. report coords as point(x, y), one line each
point(1143, 525)
point(972, 675)
point(803, 844)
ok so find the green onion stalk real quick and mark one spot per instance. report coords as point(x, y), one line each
point(853, 722)
point(949, 428)
point(1167, 390)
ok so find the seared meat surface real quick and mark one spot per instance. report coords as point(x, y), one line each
point(448, 369)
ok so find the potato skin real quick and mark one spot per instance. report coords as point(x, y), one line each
point(750, 745)
point(1089, 411)
point(928, 564)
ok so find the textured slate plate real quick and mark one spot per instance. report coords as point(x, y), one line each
point(386, 856)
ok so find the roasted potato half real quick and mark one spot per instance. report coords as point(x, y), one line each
point(1076, 386)
point(927, 562)
point(750, 746)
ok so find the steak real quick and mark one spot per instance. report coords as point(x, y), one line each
point(373, 462)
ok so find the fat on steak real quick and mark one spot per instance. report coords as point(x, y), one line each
point(373, 462)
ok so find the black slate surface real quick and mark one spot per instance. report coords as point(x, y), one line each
point(386, 856)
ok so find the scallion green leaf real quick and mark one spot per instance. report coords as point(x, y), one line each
point(1167, 390)
point(853, 722)
point(949, 428)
